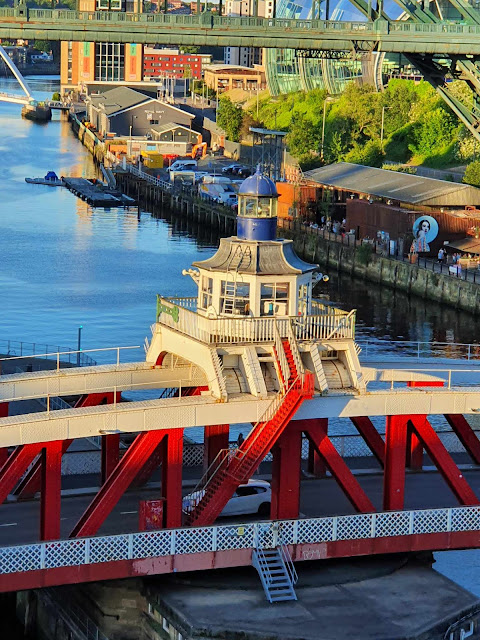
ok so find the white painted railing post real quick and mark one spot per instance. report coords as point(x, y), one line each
point(334, 528)
point(449, 519)
point(373, 525)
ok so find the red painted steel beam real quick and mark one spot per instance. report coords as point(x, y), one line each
point(443, 461)
point(287, 456)
point(3, 450)
point(414, 458)
point(466, 435)
point(216, 438)
point(110, 454)
point(50, 494)
point(118, 482)
point(315, 464)
point(32, 480)
point(372, 438)
point(395, 456)
point(15, 466)
point(348, 483)
point(172, 467)
point(122, 569)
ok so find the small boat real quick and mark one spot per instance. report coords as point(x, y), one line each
point(51, 179)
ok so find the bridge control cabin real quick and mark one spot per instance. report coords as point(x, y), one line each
point(254, 295)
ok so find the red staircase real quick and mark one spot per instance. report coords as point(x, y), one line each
point(237, 466)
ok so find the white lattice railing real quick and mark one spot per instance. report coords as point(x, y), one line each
point(251, 535)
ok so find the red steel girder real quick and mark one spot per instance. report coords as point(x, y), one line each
point(395, 457)
point(216, 438)
point(443, 460)
point(110, 454)
point(371, 436)
point(118, 482)
point(16, 464)
point(414, 458)
point(287, 455)
point(466, 435)
point(172, 468)
point(3, 450)
point(51, 471)
point(314, 431)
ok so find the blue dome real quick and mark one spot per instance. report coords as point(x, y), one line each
point(258, 185)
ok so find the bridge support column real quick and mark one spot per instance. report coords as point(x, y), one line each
point(287, 455)
point(216, 439)
point(51, 491)
point(110, 454)
point(314, 431)
point(172, 467)
point(3, 450)
point(466, 435)
point(315, 464)
point(414, 458)
point(371, 436)
point(443, 460)
point(395, 456)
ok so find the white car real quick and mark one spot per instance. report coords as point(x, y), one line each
point(253, 497)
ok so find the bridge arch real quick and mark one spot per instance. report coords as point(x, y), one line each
point(21, 80)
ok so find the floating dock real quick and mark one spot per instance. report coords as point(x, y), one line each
point(97, 194)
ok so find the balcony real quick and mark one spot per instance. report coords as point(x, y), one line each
point(324, 323)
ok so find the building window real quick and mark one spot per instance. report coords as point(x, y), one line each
point(303, 298)
point(235, 298)
point(207, 291)
point(274, 299)
point(109, 61)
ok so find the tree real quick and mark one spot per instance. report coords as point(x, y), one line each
point(303, 137)
point(361, 105)
point(229, 118)
point(190, 50)
point(434, 130)
point(370, 155)
point(472, 174)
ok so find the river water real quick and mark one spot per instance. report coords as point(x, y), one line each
point(63, 264)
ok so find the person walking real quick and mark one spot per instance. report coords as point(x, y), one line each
point(240, 440)
point(441, 255)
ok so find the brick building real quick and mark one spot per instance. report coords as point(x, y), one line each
point(158, 63)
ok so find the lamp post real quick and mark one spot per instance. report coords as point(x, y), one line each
point(327, 99)
point(79, 344)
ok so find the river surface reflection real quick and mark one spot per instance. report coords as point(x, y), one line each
point(64, 264)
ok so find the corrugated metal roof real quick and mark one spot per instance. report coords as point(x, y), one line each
point(472, 245)
point(394, 185)
point(244, 256)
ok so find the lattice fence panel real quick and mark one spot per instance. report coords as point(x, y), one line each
point(64, 553)
point(286, 532)
point(109, 548)
point(235, 537)
point(193, 540)
point(392, 524)
point(193, 455)
point(466, 519)
point(430, 521)
point(152, 544)
point(315, 530)
point(354, 527)
point(24, 558)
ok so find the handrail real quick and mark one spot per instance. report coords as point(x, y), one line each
point(200, 488)
point(282, 360)
point(294, 348)
point(57, 354)
point(472, 350)
point(287, 560)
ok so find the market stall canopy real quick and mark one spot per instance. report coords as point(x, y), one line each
point(469, 245)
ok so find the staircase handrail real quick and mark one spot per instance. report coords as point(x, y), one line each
point(282, 358)
point(217, 365)
point(294, 347)
point(202, 485)
point(343, 321)
point(288, 562)
point(266, 574)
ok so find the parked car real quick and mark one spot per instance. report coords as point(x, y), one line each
point(253, 497)
point(231, 168)
point(244, 172)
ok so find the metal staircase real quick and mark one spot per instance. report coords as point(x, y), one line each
point(277, 573)
point(234, 467)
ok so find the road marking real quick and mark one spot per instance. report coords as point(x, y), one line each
point(10, 524)
point(124, 513)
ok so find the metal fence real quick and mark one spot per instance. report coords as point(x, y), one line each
point(20, 349)
point(263, 535)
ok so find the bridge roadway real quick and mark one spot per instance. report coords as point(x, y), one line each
point(209, 29)
point(460, 395)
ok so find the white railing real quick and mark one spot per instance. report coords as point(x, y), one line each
point(166, 186)
point(398, 379)
point(74, 356)
point(19, 349)
point(331, 324)
point(395, 349)
point(250, 535)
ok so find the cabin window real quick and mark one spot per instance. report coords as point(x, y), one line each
point(206, 292)
point(274, 299)
point(235, 298)
point(304, 297)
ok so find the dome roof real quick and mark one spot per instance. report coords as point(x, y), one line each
point(258, 185)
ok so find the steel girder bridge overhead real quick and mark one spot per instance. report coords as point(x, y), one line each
point(441, 49)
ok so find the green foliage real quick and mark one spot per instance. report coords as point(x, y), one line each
point(434, 129)
point(190, 50)
point(229, 118)
point(472, 174)
point(56, 96)
point(364, 253)
point(398, 144)
point(370, 155)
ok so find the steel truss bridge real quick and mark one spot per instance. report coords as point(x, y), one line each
point(441, 50)
point(32, 445)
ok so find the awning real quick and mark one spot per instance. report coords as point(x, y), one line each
point(469, 245)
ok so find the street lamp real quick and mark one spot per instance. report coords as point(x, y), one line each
point(327, 99)
point(79, 344)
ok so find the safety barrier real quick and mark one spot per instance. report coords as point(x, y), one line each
point(250, 535)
